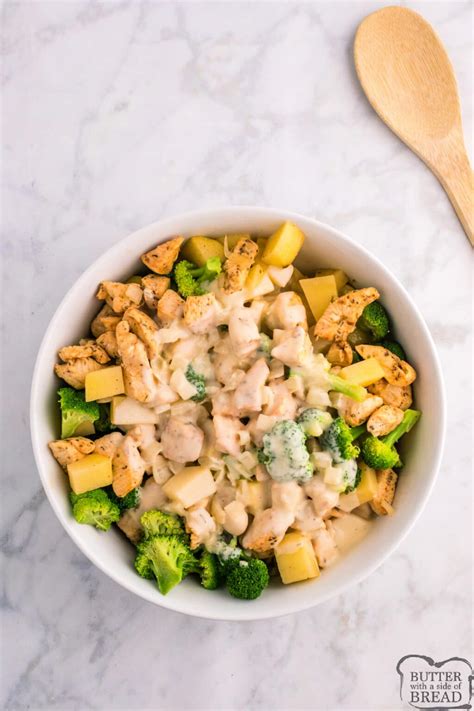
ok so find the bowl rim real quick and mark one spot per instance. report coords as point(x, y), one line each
point(246, 613)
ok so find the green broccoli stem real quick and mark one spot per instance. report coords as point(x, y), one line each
point(357, 431)
point(340, 385)
point(410, 418)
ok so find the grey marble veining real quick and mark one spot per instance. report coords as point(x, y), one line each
point(114, 115)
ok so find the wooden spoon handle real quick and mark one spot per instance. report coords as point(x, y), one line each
point(457, 179)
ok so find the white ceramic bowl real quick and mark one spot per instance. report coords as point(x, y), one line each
point(323, 247)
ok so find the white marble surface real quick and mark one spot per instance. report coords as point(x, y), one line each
point(117, 114)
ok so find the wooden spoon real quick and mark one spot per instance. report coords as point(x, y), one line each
point(409, 80)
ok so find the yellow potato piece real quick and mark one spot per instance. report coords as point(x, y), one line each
point(363, 493)
point(319, 292)
point(283, 246)
point(258, 282)
point(255, 495)
point(340, 276)
point(190, 485)
point(90, 472)
point(103, 383)
point(296, 558)
point(199, 249)
point(365, 372)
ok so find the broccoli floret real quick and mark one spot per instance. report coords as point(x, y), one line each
point(284, 452)
point(394, 347)
point(210, 570)
point(167, 558)
point(380, 453)
point(265, 346)
point(159, 523)
point(95, 509)
point(313, 421)
point(198, 381)
point(375, 319)
point(77, 415)
point(338, 439)
point(340, 385)
point(192, 280)
point(129, 501)
point(247, 579)
point(103, 424)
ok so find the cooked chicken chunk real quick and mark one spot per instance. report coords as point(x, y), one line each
point(108, 341)
point(200, 525)
point(182, 440)
point(267, 529)
point(325, 548)
point(127, 465)
point(170, 307)
point(384, 420)
point(120, 297)
point(67, 451)
point(287, 495)
point(74, 372)
point(145, 329)
point(355, 413)
point(396, 371)
point(86, 349)
point(106, 320)
point(227, 431)
point(293, 347)
point(393, 395)
point(236, 518)
point(249, 393)
point(200, 312)
point(340, 353)
point(341, 316)
point(324, 499)
point(162, 258)
point(237, 265)
point(282, 404)
point(151, 497)
point(138, 376)
point(243, 332)
point(381, 504)
point(286, 312)
point(154, 287)
point(108, 444)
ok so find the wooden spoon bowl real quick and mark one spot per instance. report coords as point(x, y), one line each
point(408, 79)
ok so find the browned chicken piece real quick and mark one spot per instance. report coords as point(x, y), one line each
point(74, 372)
point(120, 297)
point(108, 341)
point(381, 504)
point(182, 440)
point(396, 371)
point(154, 287)
point(146, 329)
point(137, 373)
point(128, 466)
point(238, 263)
point(170, 307)
point(393, 395)
point(200, 312)
point(267, 529)
point(200, 525)
point(108, 444)
point(106, 320)
point(355, 413)
point(384, 420)
point(161, 259)
point(151, 497)
point(341, 316)
point(67, 451)
point(340, 354)
point(86, 349)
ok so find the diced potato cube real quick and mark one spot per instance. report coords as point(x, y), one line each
point(365, 372)
point(319, 292)
point(199, 249)
point(255, 495)
point(364, 492)
point(84, 430)
point(296, 558)
point(233, 238)
point(127, 411)
point(90, 472)
point(340, 276)
point(190, 485)
point(283, 245)
point(104, 383)
point(258, 282)
point(349, 530)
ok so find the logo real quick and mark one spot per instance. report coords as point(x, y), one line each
point(426, 684)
